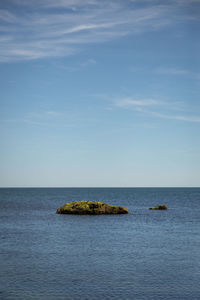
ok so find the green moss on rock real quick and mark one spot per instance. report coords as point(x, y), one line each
point(160, 207)
point(90, 208)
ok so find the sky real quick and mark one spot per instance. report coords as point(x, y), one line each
point(99, 93)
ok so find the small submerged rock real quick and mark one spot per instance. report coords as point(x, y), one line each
point(159, 207)
point(90, 208)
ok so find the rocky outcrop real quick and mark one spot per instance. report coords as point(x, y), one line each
point(90, 208)
point(159, 207)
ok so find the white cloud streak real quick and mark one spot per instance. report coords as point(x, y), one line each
point(42, 29)
point(128, 102)
point(172, 71)
point(193, 119)
point(156, 108)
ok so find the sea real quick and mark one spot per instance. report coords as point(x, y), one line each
point(146, 254)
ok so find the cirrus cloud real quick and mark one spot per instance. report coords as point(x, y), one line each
point(42, 29)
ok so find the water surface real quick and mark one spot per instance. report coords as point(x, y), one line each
point(143, 255)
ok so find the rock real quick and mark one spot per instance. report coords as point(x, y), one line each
point(160, 207)
point(90, 208)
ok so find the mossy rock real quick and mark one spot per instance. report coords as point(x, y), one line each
point(160, 207)
point(90, 208)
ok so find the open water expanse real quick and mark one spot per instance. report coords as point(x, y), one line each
point(143, 255)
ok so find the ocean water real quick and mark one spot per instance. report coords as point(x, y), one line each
point(143, 255)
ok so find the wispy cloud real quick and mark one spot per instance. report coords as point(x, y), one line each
point(46, 118)
point(77, 66)
point(193, 119)
point(129, 102)
point(172, 71)
point(54, 119)
point(42, 29)
point(6, 16)
point(156, 108)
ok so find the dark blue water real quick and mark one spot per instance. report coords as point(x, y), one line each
point(143, 255)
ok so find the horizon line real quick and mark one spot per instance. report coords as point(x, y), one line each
point(92, 187)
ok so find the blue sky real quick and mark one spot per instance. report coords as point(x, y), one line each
point(99, 93)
